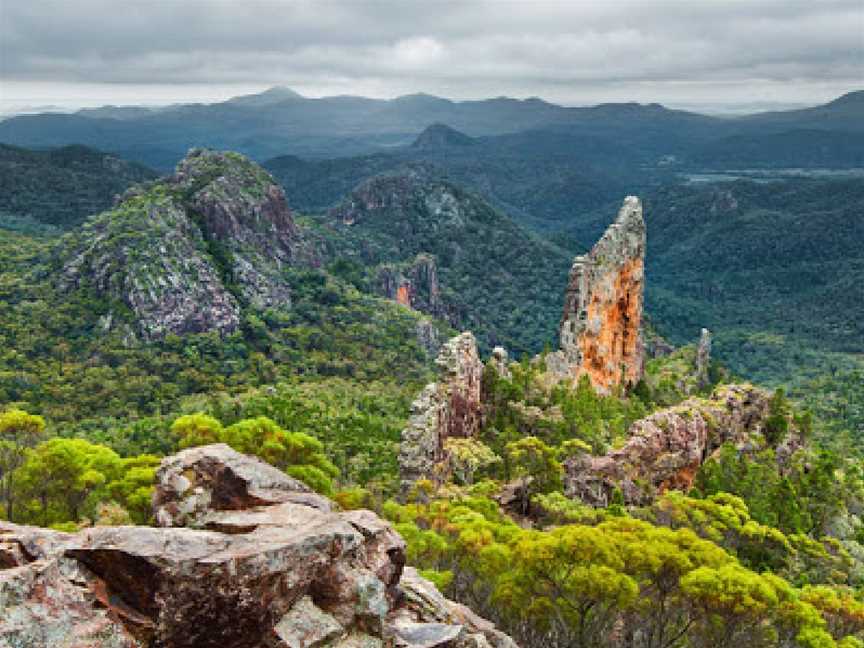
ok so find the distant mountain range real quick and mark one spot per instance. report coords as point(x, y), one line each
point(279, 121)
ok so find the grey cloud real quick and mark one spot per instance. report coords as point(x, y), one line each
point(522, 48)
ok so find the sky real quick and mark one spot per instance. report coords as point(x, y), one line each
point(75, 53)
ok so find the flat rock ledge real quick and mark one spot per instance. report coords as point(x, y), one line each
point(244, 557)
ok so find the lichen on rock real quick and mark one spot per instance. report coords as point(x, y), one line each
point(600, 331)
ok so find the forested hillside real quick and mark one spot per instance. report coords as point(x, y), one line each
point(60, 188)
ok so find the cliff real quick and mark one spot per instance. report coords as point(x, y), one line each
point(246, 557)
point(413, 284)
point(185, 254)
point(600, 331)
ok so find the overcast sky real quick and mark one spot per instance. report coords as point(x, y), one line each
point(91, 52)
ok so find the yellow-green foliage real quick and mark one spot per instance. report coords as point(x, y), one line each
point(574, 585)
point(300, 455)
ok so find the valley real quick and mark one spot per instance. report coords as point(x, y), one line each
point(594, 374)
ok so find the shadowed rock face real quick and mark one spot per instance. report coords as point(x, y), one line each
point(600, 328)
point(665, 450)
point(278, 569)
point(450, 407)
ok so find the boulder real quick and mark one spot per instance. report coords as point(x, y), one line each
point(245, 557)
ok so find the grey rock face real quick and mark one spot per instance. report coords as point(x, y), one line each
point(183, 253)
point(282, 570)
point(423, 603)
point(150, 256)
point(600, 330)
point(450, 407)
point(500, 359)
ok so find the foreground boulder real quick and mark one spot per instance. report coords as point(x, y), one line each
point(664, 451)
point(261, 563)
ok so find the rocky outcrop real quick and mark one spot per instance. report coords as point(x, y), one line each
point(600, 332)
point(703, 359)
point(664, 451)
point(422, 603)
point(282, 571)
point(450, 407)
point(500, 360)
point(185, 253)
point(242, 211)
point(413, 284)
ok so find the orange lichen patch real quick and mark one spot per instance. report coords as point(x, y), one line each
point(403, 294)
point(612, 356)
point(681, 481)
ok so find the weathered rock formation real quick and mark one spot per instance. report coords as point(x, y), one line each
point(703, 359)
point(500, 359)
point(414, 284)
point(182, 254)
point(450, 407)
point(267, 565)
point(664, 450)
point(600, 330)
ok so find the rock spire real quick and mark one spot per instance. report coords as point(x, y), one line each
point(600, 331)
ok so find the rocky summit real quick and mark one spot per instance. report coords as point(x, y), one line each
point(186, 253)
point(246, 557)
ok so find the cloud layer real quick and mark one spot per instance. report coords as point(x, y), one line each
point(575, 51)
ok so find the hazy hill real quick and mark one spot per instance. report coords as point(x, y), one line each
point(281, 122)
point(846, 113)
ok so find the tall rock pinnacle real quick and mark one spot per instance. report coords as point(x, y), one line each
point(600, 328)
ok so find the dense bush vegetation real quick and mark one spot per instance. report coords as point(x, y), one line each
point(61, 187)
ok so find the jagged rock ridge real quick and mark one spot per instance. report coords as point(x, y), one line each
point(268, 564)
point(600, 338)
point(665, 450)
point(184, 254)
